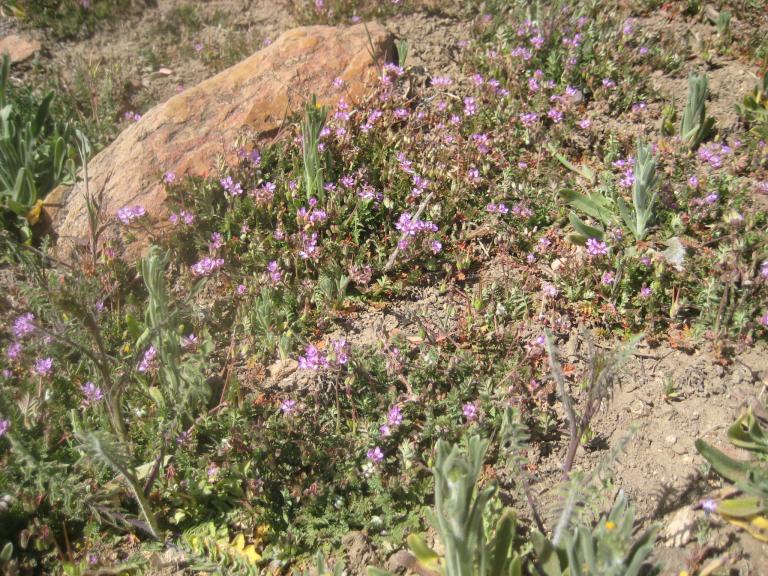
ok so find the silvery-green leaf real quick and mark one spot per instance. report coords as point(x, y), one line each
point(675, 253)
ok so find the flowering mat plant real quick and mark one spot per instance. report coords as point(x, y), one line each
point(462, 325)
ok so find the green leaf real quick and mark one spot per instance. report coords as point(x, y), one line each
point(745, 507)
point(583, 171)
point(5, 555)
point(747, 433)
point(373, 571)
point(547, 555)
point(427, 557)
point(584, 229)
point(629, 221)
point(502, 542)
point(594, 205)
point(727, 467)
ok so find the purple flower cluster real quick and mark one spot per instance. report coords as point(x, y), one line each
point(13, 351)
point(521, 210)
point(5, 425)
point(265, 193)
point(43, 367)
point(309, 248)
point(420, 185)
point(148, 360)
point(23, 326)
point(373, 117)
point(375, 455)
point(394, 419)
point(312, 359)
point(287, 406)
point(550, 290)
point(92, 394)
point(368, 192)
point(411, 227)
point(128, 214)
point(231, 187)
point(628, 179)
point(470, 106)
point(482, 143)
point(596, 247)
point(313, 214)
point(714, 154)
point(494, 208)
point(217, 241)
point(340, 355)
point(469, 410)
point(529, 119)
point(187, 218)
point(274, 272)
point(207, 266)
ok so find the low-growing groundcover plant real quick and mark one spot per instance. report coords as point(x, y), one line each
point(37, 152)
point(216, 399)
point(65, 19)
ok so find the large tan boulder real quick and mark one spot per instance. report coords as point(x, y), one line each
point(186, 134)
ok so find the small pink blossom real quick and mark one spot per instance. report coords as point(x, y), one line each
point(375, 455)
point(128, 214)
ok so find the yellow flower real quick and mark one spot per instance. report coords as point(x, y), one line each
point(610, 525)
point(684, 573)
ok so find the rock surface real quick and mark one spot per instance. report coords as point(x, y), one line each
point(190, 131)
point(18, 48)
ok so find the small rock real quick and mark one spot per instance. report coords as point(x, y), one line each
point(670, 440)
point(18, 48)
point(358, 551)
point(679, 531)
point(282, 369)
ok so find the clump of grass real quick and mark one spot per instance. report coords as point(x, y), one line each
point(67, 19)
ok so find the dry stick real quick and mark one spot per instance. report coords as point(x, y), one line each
point(155, 469)
point(565, 398)
point(396, 251)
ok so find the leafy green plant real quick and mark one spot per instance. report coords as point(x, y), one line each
point(610, 548)
point(637, 217)
point(724, 25)
point(595, 205)
point(66, 19)
point(750, 509)
point(331, 291)
point(695, 126)
point(311, 126)
point(604, 210)
point(36, 152)
point(103, 449)
point(458, 519)
point(218, 552)
point(754, 107)
point(183, 389)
